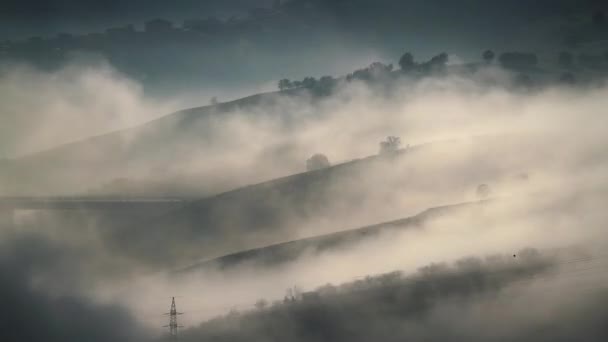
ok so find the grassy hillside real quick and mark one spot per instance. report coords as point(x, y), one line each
point(352, 194)
point(286, 252)
point(396, 307)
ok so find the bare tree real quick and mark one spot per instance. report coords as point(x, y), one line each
point(390, 145)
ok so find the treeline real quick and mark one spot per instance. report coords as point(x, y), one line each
point(515, 61)
point(119, 41)
point(374, 72)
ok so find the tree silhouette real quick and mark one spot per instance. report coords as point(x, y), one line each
point(317, 162)
point(437, 63)
point(309, 82)
point(406, 62)
point(374, 71)
point(488, 56)
point(325, 85)
point(285, 84)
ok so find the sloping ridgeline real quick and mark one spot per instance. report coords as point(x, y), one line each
point(438, 303)
point(286, 252)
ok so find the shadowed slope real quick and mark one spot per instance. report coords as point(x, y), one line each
point(290, 251)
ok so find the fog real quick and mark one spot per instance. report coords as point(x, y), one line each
point(42, 109)
point(541, 151)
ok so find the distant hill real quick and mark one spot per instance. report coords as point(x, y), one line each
point(356, 193)
point(163, 156)
point(349, 194)
point(286, 252)
point(151, 151)
point(396, 306)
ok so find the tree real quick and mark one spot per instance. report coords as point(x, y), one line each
point(379, 70)
point(565, 60)
point(374, 71)
point(437, 63)
point(213, 101)
point(261, 304)
point(406, 62)
point(488, 56)
point(390, 145)
point(317, 162)
point(483, 191)
point(285, 84)
point(440, 59)
point(325, 85)
point(309, 82)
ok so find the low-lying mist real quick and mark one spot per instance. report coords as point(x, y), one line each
point(540, 151)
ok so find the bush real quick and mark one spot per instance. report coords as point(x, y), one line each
point(390, 145)
point(317, 162)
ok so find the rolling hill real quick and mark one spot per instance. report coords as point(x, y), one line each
point(282, 253)
point(150, 152)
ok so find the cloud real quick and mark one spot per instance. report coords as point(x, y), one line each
point(42, 109)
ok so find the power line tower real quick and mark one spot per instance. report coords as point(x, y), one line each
point(173, 321)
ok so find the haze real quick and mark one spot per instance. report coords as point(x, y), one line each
point(303, 170)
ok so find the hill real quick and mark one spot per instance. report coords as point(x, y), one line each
point(395, 306)
point(286, 252)
point(149, 153)
point(356, 193)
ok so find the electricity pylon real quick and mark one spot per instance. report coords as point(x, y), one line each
point(173, 321)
